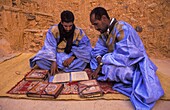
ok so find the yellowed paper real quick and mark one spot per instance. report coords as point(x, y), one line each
point(61, 77)
point(69, 77)
point(78, 76)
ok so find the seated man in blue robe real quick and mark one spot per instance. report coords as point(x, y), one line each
point(66, 47)
point(119, 56)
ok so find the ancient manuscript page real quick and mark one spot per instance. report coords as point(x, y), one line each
point(61, 77)
point(79, 76)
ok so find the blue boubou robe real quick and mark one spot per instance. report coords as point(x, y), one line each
point(125, 62)
point(81, 48)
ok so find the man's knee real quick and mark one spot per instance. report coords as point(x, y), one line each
point(44, 64)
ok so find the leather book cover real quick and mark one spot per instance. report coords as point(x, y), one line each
point(36, 74)
point(45, 90)
point(89, 88)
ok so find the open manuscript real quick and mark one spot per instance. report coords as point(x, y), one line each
point(69, 77)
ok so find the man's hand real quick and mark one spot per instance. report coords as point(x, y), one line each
point(68, 61)
point(54, 68)
point(96, 72)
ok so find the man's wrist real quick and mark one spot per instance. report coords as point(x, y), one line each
point(101, 64)
point(73, 57)
point(98, 56)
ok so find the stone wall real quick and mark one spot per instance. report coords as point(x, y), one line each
point(25, 22)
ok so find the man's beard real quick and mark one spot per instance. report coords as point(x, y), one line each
point(66, 31)
point(103, 31)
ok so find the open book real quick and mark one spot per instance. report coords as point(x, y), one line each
point(69, 77)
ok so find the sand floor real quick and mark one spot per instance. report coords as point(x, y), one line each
point(24, 104)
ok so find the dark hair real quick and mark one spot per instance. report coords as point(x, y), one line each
point(99, 12)
point(67, 16)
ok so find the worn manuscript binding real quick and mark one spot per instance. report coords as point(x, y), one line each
point(89, 89)
point(37, 75)
point(45, 90)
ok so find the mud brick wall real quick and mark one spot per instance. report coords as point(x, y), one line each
point(24, 29)
point(24, 23)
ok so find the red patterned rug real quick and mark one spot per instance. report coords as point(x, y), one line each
point(69, 88)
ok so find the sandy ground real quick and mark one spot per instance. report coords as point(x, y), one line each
point(22, 104)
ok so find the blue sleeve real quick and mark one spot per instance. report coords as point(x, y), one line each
point(83, 49)
point(99, 49)
point(48, 51)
